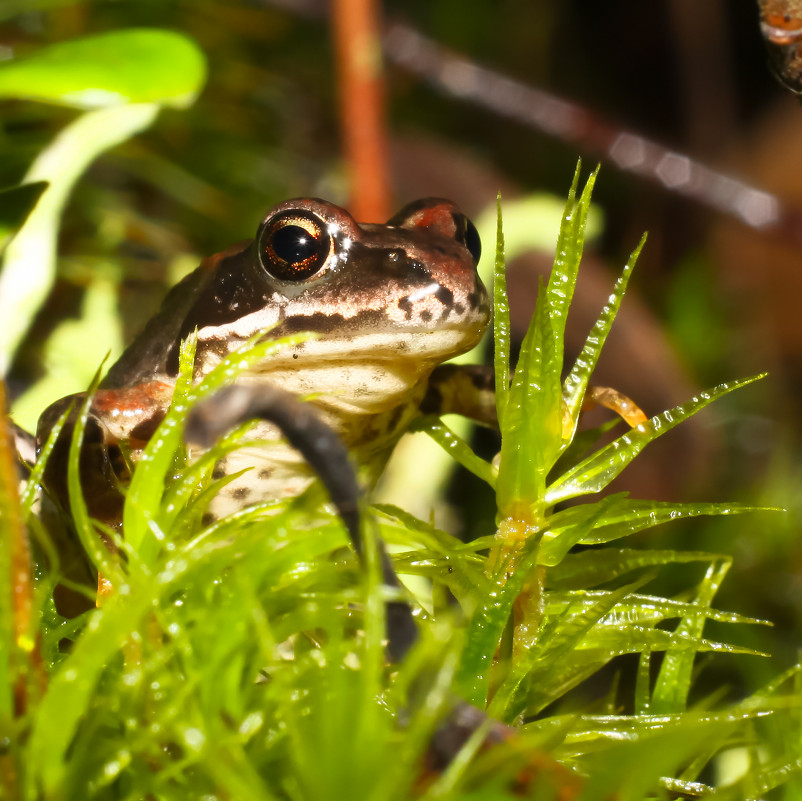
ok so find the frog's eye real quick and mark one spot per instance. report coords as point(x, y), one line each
point(473, 241)
point(293, 245)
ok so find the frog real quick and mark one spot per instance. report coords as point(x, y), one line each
point(384, 305)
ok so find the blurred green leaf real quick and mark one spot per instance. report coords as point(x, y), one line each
point(138, 65)
point(29, 261)
point(16, 204)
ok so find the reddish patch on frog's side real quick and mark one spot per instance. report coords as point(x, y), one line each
point(132, 413)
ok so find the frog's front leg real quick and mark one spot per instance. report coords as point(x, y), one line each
point(469, 390)
point(466, 389)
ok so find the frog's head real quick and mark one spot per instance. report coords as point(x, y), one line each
point(405, 291)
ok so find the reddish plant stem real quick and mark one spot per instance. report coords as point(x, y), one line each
point(13, 531)
point(357, 38)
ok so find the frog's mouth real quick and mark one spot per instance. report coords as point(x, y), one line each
point(366, 371)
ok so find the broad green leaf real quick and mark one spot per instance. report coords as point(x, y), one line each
point(29, 261)
point(73, 351)
point(598, 470)
point(138, 65)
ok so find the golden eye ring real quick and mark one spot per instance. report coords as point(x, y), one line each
point(294, 245)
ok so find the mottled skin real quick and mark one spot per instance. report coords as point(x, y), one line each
point(388, 303)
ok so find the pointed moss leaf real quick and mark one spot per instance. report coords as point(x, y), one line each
point(643, 679)
point(87, 534)
point(430, 552)
point(634, 770)
point(572, 526)
point(34, 482)
point(532, 431)
point(543, 665)
point(16, 204)
point(577, 380)
point(139, 65)
point(599, 469)
point(487, 625)
point(570, 244)
point(674, 680)
point(423, 533)
point(595, 566)
point(615, 728)
point(639, 609)
point(631, 516)
point(456, 447)
point(501, 321)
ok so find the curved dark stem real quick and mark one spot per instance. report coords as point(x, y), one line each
point(326, 454)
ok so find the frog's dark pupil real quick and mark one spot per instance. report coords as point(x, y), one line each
point(294, 244)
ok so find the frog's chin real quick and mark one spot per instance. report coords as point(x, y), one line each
point(424, 347)
point(352, 388)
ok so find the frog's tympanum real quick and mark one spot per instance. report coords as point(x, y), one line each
point(387, 304)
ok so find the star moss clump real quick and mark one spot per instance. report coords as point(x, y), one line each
point(245, 659)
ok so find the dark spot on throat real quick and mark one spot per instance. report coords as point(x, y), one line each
point(406, 306)
point(445, 296)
